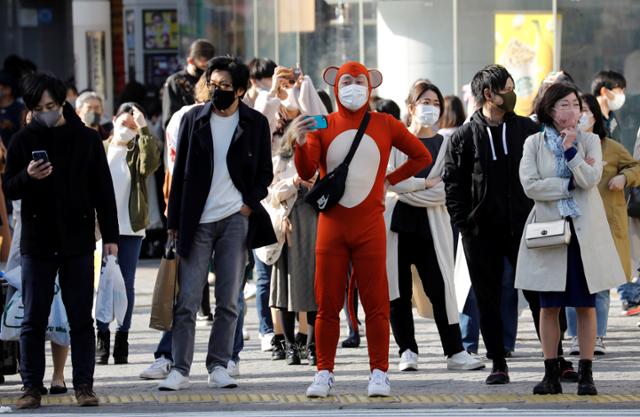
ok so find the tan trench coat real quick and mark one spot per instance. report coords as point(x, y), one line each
point(618, 161)
point(545, 269)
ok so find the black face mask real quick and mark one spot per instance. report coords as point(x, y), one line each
point(199, 72)
point(222, 99)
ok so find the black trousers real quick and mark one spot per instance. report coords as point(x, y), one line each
point(414, 249)
point(76, 283)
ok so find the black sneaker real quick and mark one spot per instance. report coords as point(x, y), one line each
point(499, 375)
point(278, 352)
point(301, 342)
point(311, 354)
point(351, 341)
point(292, 354)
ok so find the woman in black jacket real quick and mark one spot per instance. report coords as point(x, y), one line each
point(59, 170)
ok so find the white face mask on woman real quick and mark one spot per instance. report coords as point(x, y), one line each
point(353, 96)
point(586, 122)
point(123, 133)
point(426, 114)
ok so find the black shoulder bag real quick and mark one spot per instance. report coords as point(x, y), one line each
point(328, 190)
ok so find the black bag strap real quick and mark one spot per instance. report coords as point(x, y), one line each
point(357, 138)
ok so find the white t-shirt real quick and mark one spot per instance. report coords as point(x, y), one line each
point(121, 176)
point(224, 198)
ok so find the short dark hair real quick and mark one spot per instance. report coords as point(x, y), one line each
point(418, 89)
point(202, 49)
point(609, 79)
point(554, 93)
point(36, 84)
point(260, 68)
point(388, 106)
point(494, 77)
point(453, 113)
point(594, 107)
point(238, 70)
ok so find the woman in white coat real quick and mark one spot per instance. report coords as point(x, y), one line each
point(419, 233)
point(560, 170)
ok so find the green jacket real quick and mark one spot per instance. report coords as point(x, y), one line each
point(143, 158)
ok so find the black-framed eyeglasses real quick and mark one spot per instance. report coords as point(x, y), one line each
point(219, 86)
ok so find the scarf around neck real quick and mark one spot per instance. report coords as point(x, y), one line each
point(553, 141)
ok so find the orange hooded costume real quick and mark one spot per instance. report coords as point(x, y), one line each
point(353, 231)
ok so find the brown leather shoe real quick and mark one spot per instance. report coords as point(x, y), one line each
point(86, 397)
point(30, 399)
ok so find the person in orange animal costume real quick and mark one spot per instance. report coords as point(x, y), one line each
point(353, 232)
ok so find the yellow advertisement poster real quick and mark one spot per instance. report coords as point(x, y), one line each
point(525, 46)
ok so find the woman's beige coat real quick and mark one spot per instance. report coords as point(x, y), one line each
point(545, 269)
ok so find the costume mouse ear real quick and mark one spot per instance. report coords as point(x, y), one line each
point(329, 75)
point(376, 78)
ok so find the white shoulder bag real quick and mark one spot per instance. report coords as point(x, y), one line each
point(548, 234)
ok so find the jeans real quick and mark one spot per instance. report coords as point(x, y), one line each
point(76, 283)
point(227, 241)
point(630, 292)
point(602, 316)
point(128, 254)
point(263, 289)
point(238, 340)
point(470, 317)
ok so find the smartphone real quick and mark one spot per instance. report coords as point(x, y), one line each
point(321, 122)
point(38, 155)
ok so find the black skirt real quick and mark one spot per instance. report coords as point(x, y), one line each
point(576, 293)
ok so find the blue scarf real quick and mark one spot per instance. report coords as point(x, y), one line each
point(553, 142)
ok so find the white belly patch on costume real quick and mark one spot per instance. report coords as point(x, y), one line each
point(362, 169)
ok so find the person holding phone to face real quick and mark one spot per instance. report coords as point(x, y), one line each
point(59, 200)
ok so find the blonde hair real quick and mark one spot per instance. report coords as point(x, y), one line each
point(201, 92)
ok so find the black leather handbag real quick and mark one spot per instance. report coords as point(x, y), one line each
point(633, 202)
point(328, 190)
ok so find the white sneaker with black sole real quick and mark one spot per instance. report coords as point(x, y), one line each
point(157, 370)
point(265, 342)
point(233, 368)
point(408, 361)
point(379, 385)
point(175, 381)
point(219, 378)
point(599, 348)
point(463, 361)
point(322, 383)
point(575, 346)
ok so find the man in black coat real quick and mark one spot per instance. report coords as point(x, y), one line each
point(58, 168)
point(222, 171)
point(486, 200)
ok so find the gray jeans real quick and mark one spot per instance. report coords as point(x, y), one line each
point(227, 241)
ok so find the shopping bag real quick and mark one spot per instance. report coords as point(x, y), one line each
point(120, 302)
point(14, 278)
point(12, 318)
point(165, 291)
point(58, 327)
point(111, 299)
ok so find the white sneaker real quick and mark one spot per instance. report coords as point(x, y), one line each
point(575, 346)
point(463, 361)
point(379, 385)
point(219, 378)
point(322, 383)
point(174, 382)
point(250, 291)
point(157, 370)
point(245, 334)
point(265, 342)
point(233, 368)
point(408, 361)
point(599, 348)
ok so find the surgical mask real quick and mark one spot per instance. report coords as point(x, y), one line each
point(508, 101)
point(353, 96)
point(222, 99)
point(566, 118)
point(617, 102)
point(290, 102)
point(426, 114)
point(91, 118)
point(48, 118)
point(123, 133)
point(586, 122)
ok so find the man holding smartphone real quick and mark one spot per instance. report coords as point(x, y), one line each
point(58, 168)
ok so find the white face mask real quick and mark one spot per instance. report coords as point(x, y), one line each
point(353, 96)
point(585, 123)
point(617, 102)
point(123, 133)
point(426, 114)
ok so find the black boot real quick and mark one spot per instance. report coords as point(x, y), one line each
point(278, 353)
point(500, 373)
point(352, 341)
point(567, 373)
point(301, 342)
point(585, 378)
point(121, 348)
point(292, 354)
point(311, 354)
point(103, 347)
point(550, 384)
